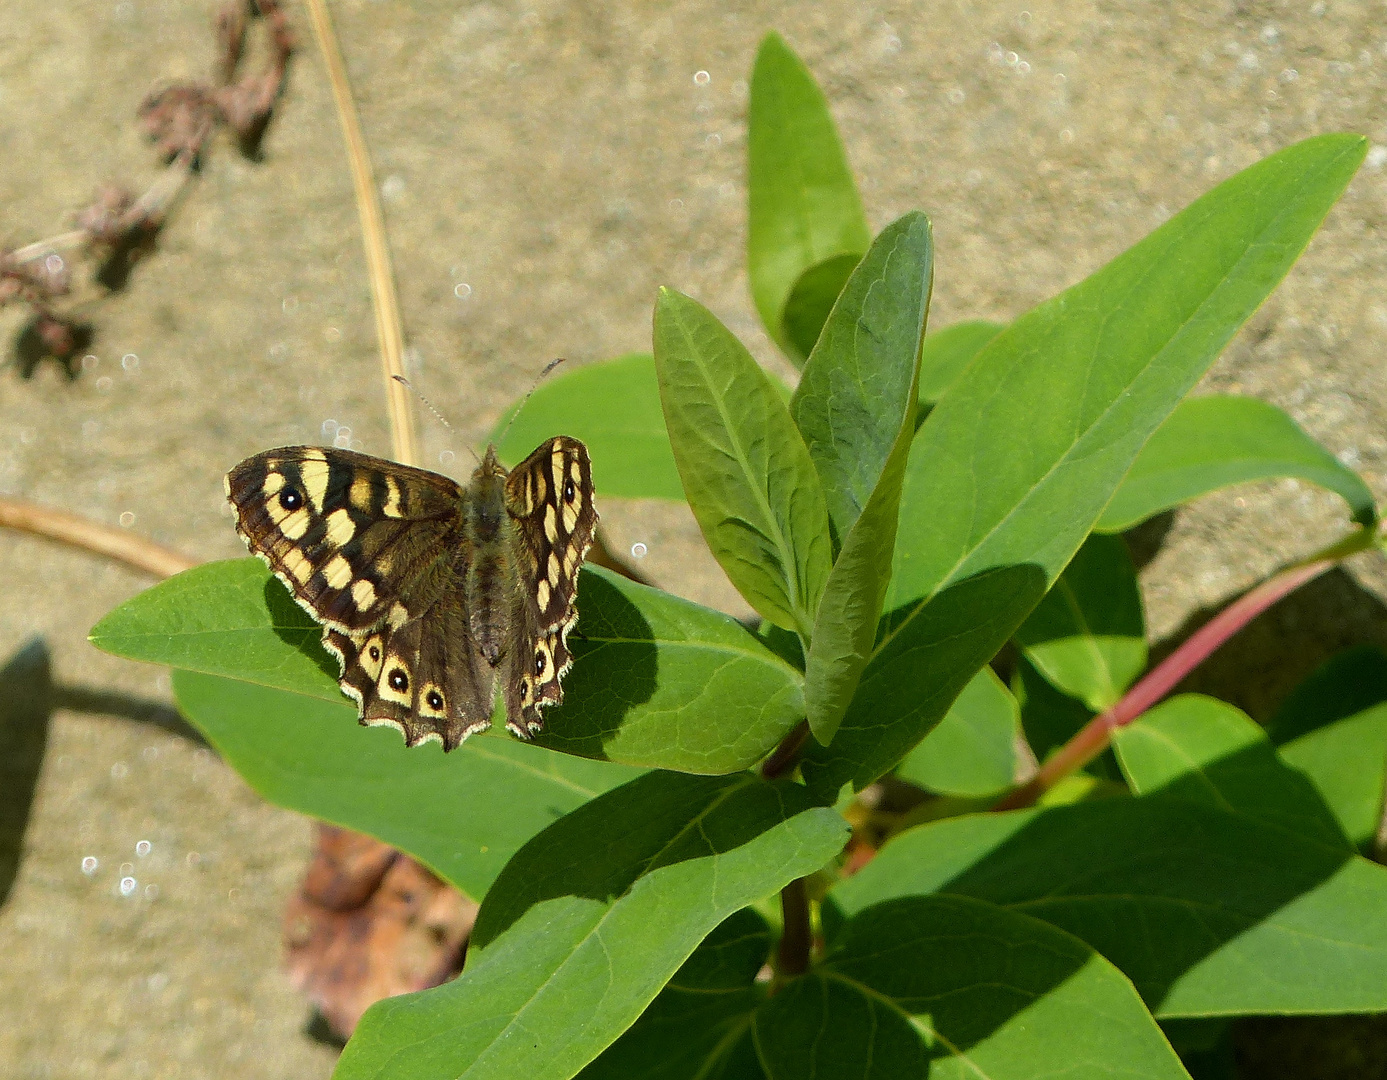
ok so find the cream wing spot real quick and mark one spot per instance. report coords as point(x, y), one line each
point(432, 702)
point(372, 657)
point(313, 471)
point(274, 482)
point(394, 683)
point(553, 568)
point(392, 508)
point(337, 573)
point(398, 616)
point(340, 528)
point(297, 566)
point(542, 595)
point(551, 525)
point(363, 593)
point(360, 494)
point(570, 517)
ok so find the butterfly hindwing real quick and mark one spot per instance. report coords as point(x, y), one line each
point(425, 678)
point(358, 541)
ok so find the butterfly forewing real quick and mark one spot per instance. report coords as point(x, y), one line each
point(358, 541)
point(550, 497)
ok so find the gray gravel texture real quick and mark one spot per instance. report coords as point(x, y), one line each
point(561, 161)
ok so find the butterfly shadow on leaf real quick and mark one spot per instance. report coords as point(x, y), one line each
point(615, 673)
point(296, 628)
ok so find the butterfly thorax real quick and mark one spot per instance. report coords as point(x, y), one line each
point(489, 581)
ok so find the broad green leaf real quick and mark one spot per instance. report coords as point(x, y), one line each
point(810, 301)
point(1208, 913)
point(660, 681)
point(958, 989)
point(1347, 763)
point(1021, 455)
point(856, 393)
point(747, 474)
point(657, 681)
point(855, 407)
point(1346, 684)
point(464, 814)
point(1333, 728)
point(229, 618)
point(1194, 747)
point(1088, 635)
point(590, 919)
point(806, 228)
point(1212, 442)
point(701, 1022)
point(947, 352)
point(614, 407)
point(972, 753)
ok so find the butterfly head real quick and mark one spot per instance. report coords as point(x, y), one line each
point(490, 466)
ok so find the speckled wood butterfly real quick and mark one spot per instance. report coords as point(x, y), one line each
point(427, 590)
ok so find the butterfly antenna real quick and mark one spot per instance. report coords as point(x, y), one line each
point(429, 404)
point(525, 400)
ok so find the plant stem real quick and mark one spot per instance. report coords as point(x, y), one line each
point(404, 439)
point(1096, 735)
point(123, 546)
point(792, 958)
point(784, 756)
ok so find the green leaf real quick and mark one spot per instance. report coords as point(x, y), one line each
point(588, 922)
point(855, 407)
point(1088, 635)
point(947, 352)
point(857, 392)
point(701, 1021)
point(1346, 684)
point(229, 618)
point(806, 227)
point(657, 681)
point(1023, 452)
point(972, 753)
point(660, 681)
point(1208, 913)
point(955, 988)
point(464, 814)
point(810, 301)
point(614, 407)
point(1347, 763)
point(747, 474)
point(1194, 747)
point(1211, 442)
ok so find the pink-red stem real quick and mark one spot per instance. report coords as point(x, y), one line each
point(1096, 735)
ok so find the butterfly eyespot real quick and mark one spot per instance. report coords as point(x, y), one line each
point(435, 700)
point(290, 498)
point(374, 650)
point(524, 690)
point(399, 680)
point(539, 662)
point(568, 492)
